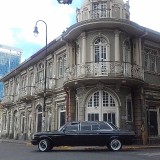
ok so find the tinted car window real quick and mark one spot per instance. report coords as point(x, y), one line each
point(104, 126)
point(85, 127)
point(89, 126)
point(72, 127)
point(95, 127)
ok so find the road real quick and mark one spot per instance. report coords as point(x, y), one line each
point(13, 151)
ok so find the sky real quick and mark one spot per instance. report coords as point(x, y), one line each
point(19, 17)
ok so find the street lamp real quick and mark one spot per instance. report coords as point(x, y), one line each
point(64, 1)
point(45, 72)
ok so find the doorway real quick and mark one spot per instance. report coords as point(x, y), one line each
point(152, 123)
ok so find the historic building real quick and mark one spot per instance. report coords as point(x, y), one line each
point(105, 68)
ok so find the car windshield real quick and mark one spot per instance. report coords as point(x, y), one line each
point(61, 128)
point(113, 126)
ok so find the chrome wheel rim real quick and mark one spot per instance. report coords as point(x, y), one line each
point(42, 145)
point(115, 145)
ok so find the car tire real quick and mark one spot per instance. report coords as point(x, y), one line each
point(115, 144)
point(44, 145)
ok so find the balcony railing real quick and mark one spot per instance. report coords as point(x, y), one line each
point(99, 13)
point(104, 69)
point(8, 99)
point(27, 92)
point(39, 86)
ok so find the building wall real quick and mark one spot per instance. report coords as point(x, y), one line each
point(93, 73)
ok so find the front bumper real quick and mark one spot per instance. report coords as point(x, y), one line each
point(34, 142)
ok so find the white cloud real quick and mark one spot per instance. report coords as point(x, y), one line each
point(146, 13)
point(22, 15)
point(18, 19)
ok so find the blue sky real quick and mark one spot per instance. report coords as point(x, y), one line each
point(18, 19)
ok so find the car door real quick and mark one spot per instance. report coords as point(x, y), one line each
point(88, 134)
point(71, 134)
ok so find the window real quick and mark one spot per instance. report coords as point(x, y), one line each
point(40, 74)
point(104, 126)
point(24, 81)
point(102, 106)
point(151, 58)
point(39, 118)
point(93, 117)
point(6, 89)
point(99, 10)
point(129, 110)
point(4, 121)
point(100, 49)
point(17, 85)
point(72, 127)
point(61, 65)
point(109, 117)
point(22, 120)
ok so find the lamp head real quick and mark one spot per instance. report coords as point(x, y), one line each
point(35, 31)
point(64, 1)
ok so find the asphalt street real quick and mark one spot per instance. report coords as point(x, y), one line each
point(13, 151)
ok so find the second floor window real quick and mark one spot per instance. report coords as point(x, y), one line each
point(151, 58)
point(61, 65)
point(100, 49)
point(24, 80)
point(40, 74)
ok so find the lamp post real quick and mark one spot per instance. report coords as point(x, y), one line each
point(45, 73)
point(64, 1)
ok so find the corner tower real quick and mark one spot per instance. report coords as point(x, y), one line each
point(96, 9)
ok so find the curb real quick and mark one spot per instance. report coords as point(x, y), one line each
point(131, 147)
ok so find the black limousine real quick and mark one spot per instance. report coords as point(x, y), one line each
point(87, 133)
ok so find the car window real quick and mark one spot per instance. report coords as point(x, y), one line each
point(95, 127)
point(105, 126)
point(71, 127)
point(89, 126)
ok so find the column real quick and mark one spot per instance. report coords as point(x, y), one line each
point(83, 35)
point(53, 112)
point(117, 53)
point(140, 52)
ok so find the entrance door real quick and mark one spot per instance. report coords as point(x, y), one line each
point(62, 115)
point(152, 121)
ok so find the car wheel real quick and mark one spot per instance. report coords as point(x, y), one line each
point(44, 145)
point(115, 144)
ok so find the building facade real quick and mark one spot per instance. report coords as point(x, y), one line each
point(104, 68)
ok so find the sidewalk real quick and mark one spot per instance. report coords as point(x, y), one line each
point(125, 147)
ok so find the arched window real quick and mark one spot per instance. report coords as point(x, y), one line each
point(127, 58)
point(100, 49)
point(102, 106)
point(126, 52)
point(39, 118)
point(40, 73)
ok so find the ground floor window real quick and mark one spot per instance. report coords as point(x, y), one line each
point(39, 118)
point(61, 115)
point(152, 123)
point(102, 106)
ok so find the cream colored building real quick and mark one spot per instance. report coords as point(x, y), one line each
point(104, 67)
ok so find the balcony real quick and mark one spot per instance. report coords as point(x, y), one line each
point(27, 93)
point(8, 100)
point(39, 87)
point(110, 70)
